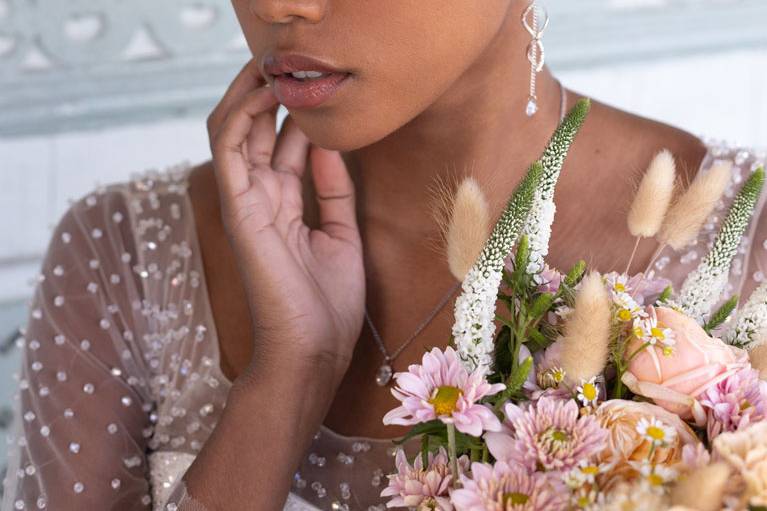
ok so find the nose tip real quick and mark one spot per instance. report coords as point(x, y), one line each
point(287, 11)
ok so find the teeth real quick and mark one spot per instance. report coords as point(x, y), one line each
point(307, 74)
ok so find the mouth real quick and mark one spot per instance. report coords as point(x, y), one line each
point(297, 66)
point(307, 91)
point(301, 81)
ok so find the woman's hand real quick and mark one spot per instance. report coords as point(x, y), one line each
point(305, 287)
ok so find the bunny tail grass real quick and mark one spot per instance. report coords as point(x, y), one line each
point(703, 488)
point(653, 196)
point(468, 227)
point(688, 213)
point(585, 346)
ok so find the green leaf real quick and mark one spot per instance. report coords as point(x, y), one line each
point(536, 341)
point(721, 315)
point(519, 376)
point(541, 305)
point(521, 258)
point(576, 273)
point(666, 294)
point(432, 427)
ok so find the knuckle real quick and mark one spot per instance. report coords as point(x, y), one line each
point(210, 121)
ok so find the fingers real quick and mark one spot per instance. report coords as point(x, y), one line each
point(228, 143)
point(335, 194)
point(249, 78)
point(259, 144)
point(292, 149)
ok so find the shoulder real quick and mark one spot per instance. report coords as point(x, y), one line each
point(616, 139)
point(106, 219)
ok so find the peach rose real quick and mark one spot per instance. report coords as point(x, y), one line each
point(626, 445)
point(698, 362)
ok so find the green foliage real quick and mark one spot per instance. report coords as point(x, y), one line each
point(541, 304)
point(666, 294)
point(519, 376)
point(721, 315)
point(433, 427)
point(575, 274)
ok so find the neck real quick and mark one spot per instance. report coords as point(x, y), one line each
point(478, 127)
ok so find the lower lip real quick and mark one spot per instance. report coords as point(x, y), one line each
point(294, 93)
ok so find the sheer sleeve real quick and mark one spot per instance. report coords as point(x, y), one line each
point(83, 409)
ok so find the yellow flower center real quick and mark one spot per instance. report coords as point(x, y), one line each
point(515, 498)
point(557, 435)
point(638, 332)
point(444, 399)
point(654, 479)
point(668, 351)
point(583, 501)
point(657, 333)
point(589, 391)
point(745, 405)
point(558, 374)
point(656, 433)
point(590, 470)
point(624, 315)
point(620, 287)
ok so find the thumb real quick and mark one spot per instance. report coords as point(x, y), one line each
point(335, 194)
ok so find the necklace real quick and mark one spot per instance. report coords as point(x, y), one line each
point(385, 371)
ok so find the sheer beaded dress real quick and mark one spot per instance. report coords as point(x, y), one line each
point(120, 384)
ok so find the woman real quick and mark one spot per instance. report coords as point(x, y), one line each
point(164, 297)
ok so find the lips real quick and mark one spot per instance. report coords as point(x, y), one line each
point(302, 93)
point(288, 63)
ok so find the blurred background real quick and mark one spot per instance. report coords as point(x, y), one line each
point(93, 91)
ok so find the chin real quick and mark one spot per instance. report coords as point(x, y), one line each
point(331, 131)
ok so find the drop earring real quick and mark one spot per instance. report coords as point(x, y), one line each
point(535, 26)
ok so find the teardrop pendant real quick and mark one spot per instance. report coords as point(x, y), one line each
point(383, 375)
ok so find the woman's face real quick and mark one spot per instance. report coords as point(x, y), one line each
point(403, 55)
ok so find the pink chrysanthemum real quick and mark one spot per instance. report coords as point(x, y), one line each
point(508, 487)
point(441, 388)
point(425, 488)
point(735, 402)
point(549, 435)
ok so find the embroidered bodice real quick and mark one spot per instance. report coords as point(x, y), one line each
point(120, 384)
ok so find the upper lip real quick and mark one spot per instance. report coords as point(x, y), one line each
point(288, 63)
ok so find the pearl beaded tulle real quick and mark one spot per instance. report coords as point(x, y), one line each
point(120, 384)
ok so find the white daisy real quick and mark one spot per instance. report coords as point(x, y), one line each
point(655, 431)
point(588, 392)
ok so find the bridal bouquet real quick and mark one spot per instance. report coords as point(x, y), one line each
point(597, 391)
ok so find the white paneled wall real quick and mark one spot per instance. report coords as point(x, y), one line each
point(722, 95)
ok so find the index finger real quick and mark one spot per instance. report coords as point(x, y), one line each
point(248, 79)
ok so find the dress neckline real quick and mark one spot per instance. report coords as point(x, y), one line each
point(207, 306)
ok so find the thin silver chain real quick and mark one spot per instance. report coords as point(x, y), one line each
point(377, 336)
point(418, 330)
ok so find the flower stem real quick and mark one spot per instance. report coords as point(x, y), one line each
point(452, 453)
point(633, 253)
point(637, 352)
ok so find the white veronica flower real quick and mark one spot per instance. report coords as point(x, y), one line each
point(750, 321)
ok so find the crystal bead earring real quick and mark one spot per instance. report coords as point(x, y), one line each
point(535, 19)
